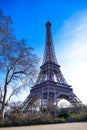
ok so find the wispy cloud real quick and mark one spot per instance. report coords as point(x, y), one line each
point(74, 53)
point(79, 29)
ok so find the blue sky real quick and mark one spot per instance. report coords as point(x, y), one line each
point(69, 31)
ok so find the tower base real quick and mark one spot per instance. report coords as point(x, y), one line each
point(40, 95)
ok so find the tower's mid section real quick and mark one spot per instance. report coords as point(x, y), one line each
point(50, 84)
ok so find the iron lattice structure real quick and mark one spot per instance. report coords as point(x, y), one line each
point(50, 84)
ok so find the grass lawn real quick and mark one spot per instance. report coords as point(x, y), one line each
point(66, 126)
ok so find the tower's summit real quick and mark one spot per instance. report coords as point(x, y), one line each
point(51, 84)
point(48, 23)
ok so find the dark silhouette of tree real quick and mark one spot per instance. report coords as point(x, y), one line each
point(18, 63)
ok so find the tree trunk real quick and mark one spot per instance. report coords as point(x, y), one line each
point(3, 111)
point(4, 99)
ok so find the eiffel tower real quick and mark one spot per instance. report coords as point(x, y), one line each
point(50, 84)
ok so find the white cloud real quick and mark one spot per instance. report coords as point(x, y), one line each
point(73, 54)
point(79, 80)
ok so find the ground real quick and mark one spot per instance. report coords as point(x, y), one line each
point(66, 126)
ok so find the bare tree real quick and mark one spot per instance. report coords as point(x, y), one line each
point(17, 65)
point(15, 107)
point(5, 31)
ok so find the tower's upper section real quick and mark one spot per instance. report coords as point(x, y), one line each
point(48, 33)
point(49, 53)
